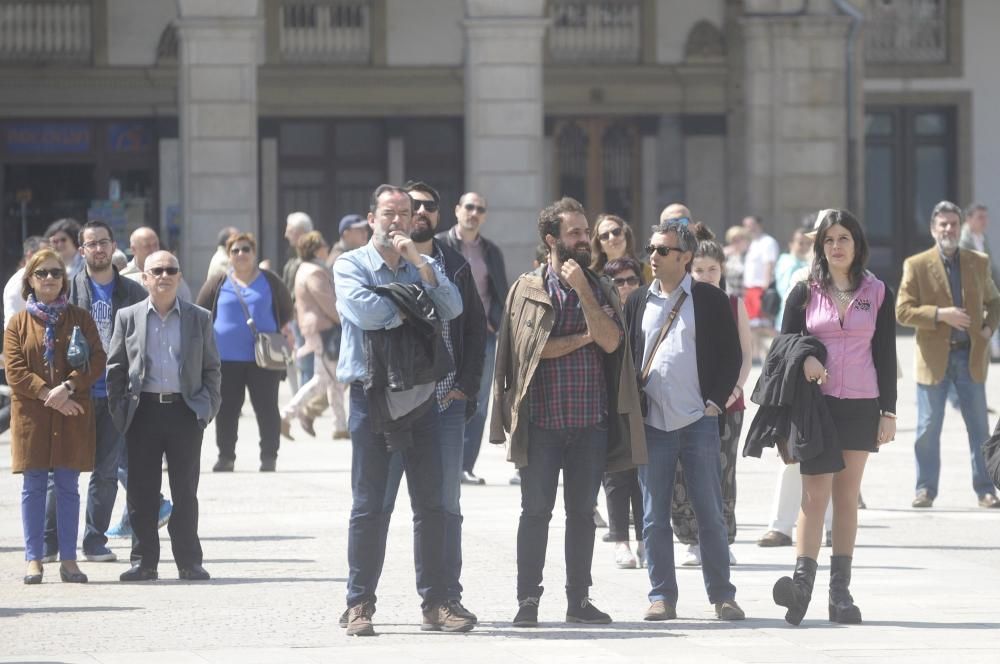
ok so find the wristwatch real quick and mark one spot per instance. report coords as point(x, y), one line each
point(69, 387)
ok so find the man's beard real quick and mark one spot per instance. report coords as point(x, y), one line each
point(98, 264)
point(580, 253)
point(382, 239)
point(948, 244)
point(423, 231)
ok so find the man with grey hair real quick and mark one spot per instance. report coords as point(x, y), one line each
point(948, 295)
point(297, 224)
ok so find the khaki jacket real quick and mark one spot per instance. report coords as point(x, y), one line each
point(924, 289)
point(524, 330)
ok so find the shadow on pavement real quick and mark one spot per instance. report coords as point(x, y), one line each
point(254, 538)
point(790, 565)
point(226, 561)
point(10, 613)
point(929, 625)
point(283, 579)
point(923, 547)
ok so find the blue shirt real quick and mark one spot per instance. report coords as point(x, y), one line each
point(163, 350)
point(360, 309)
point(232, 334)
point(100, 311)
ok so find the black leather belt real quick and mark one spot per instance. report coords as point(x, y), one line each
point(960, 345)
point(162, 397)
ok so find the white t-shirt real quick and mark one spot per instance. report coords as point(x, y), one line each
point(12, 300)
point(762, 251)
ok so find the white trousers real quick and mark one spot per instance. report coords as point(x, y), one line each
point(788, 500)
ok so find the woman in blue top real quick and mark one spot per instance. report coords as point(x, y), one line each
point(270, 305)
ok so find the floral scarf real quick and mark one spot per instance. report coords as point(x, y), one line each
point(50, 315)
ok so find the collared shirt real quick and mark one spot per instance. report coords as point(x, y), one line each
point(445, 385)
point(163, 350)
point(954, 271)
point(569, 392)
point(673, 389)
point(473, 253)
point(355, 273)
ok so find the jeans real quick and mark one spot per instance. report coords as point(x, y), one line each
point(237, 379)
point(582, 456)
point(697, 447)
point(67, 511)
point(475, 426)
point(931, 401)
point(306, 363)
point(452, 423)
point(369, 478)
point(103, 487)
point(622, 491)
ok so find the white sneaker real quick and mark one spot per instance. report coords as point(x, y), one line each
point(624, 558)
point(640, 554)
point(732, 558)
point(693, 556)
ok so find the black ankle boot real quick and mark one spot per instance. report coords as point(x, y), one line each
point(842, 608)
point(794, 593)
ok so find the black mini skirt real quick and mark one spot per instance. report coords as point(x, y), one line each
point(856, 421)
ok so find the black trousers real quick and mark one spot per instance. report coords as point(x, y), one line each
point(159, 429)
point(622, 490)
point(237, 379)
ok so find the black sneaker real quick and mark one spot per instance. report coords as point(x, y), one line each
point(527, 613)
point(586, 613)
point(456, 608)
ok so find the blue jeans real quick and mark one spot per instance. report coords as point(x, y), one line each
point(370, 462)
point(103, 487)
point(306, 363)
point(67, 500)
point(931, 401)
point(582, 456)
point(697, 447)
point(452, 423)
point(475, 426)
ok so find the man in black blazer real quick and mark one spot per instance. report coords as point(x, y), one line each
point(686, 350)
point(164, 379)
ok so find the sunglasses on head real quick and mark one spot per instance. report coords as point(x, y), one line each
point(430, 206)
point(661, 250)
point(55, 273)
point(614, 232)
point(241, 250)
point(622, 281)
point(478, 208)
point(160, 271)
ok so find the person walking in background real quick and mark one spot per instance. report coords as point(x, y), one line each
point(791, 263)
point(52, 417)
point(758, 274)
point(490, 276)
point(13, 301)
point(143, 242)
point(229, 298)
point(706, 267)
point(948, 295)
point(613, 239)
point(977, 222)
point(163, 390)
point(737, 242)
point(297, 224)
point(64, 237)
point(219, 264)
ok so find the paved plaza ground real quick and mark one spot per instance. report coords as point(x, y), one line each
point(928, 581)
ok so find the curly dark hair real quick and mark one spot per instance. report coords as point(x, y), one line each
point(550, 218)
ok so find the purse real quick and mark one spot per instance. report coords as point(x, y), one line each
point(270, 349)
point(78, 351)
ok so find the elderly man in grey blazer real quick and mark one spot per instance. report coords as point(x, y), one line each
point(164, 379)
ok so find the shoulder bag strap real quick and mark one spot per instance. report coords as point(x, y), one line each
point(647, 367)
point(246, 310)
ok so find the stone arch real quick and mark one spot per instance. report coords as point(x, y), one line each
point(704, 40)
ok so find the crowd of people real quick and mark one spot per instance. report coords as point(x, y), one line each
point(608, 364)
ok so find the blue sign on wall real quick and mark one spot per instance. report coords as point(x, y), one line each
point(47, 137)
point(130, 137)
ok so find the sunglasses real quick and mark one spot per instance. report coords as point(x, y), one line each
point(622, 281)
point(662, 250)
point(430, 206)
point(55, 273)
point(478, 208)
point(160, 271)
point(614, 232)
point(241, 250)
point(683, 221)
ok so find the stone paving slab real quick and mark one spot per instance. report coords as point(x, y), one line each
point(927, 581)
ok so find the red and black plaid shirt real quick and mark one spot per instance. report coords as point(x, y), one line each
point(569, 392)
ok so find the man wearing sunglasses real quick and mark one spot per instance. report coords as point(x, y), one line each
point(490, 276)
point(164, 387)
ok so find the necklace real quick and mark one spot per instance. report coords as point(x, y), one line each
point(843, 297)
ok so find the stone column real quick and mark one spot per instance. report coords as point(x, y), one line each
point(219, 51)
point(504, 120)
point(796, 115)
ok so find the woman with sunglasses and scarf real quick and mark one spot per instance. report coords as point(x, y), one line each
point(52, 419)
point(612, 239)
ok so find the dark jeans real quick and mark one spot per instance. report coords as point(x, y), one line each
point(174, 430)
point(581, 454)
point(370, 462)
point(237, 378)
point(623, 491)
point(475, 426)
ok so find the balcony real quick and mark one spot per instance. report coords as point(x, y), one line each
point(45, 30)
point(324, 31)
point(595, 31)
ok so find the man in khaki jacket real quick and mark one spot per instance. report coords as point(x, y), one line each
point(948, 295)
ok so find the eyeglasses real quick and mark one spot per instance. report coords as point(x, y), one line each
point(160, 271)
point(622, 281)
point(55, 273)
point(661, 250)
point(430, 206)
point(478, 208)
point(103, 244)
point(235, 251)
point(614, 232)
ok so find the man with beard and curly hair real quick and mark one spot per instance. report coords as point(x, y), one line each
point(564, 397)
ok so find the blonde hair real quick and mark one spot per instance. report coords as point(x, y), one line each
point(37, 259)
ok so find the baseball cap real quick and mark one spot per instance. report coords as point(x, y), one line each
point(349, 221)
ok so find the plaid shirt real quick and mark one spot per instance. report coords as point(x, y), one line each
point(446, 384)
point(569, 392)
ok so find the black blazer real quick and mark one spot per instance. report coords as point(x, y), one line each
point(717, 340)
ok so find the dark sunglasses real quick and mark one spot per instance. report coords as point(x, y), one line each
point(661, 250)
point(614, 232)
point(55, 273)
point(430, 206)
point(631, 281)
point(478, 208)
point(160, 271)
point(241, 250)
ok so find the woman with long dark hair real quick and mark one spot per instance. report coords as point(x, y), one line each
point(612, 238)
point(852, 313)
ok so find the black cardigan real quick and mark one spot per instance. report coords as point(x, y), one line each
point(717, 339)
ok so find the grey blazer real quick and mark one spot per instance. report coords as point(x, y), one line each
point(201, 370)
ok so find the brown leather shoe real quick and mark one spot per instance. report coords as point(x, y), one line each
point(444, 618)
point(989, 500)
point(729, 610)
point(359, 619)
point(660, 610)
point(774, 538)
point(922, 499)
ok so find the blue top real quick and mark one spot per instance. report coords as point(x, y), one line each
point(232, 334)
point(360, 309)
point(100, 311)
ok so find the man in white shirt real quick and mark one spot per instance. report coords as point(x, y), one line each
point(977, 221)
point(143, 242)
point(12, 300)
point(758, 273)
